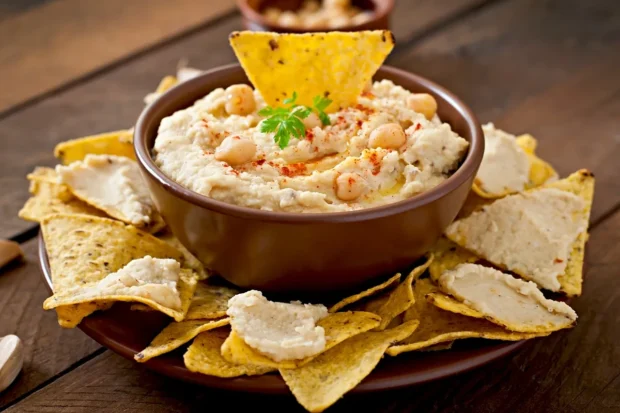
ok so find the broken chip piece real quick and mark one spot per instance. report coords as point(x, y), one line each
point(510, 302)
point(273, 62)
point(320, 383)
point(175, 334)
point(118, 143)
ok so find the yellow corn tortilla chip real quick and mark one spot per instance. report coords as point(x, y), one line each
point(448, 303)
point(204, 356)
point(439, 347)
point(338, 327)
point(43, 173)
point(440, 326)
point(119, 143)
point(84, 249)
point(210, 301)
point(336, 64)
point(324, 380)
point(69, 316)
point(540, 171)
point(175, 335)
point(389, 305)
point(190, 260)
point(166, 83)
point(366, 293)
point(448, 255)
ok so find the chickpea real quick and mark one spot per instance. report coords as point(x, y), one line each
point(387, 136)
point(350, 186)
point(336, 4)
point(312, 121)
point(240, 100)
point(423, 103)
point(288, 19)
point(235, 150)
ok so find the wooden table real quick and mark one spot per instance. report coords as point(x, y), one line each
point(551, 68)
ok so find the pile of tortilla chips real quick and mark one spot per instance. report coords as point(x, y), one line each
point(400, 314)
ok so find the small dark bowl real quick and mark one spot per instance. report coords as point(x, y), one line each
point(254, 20)
point(290, 252)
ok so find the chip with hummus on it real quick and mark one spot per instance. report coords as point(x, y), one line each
point(119, 143)
point(505, 300)
point(175, 335)
point(441, 326)
point(204, 356)
point(190, 260)
point(160, 283)
point(447, 255)
point(322, 382)
point(538, 234)
point(82, 250)
point(114, 185)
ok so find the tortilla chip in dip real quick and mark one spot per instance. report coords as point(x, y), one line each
point(83, 250)
point(322, 382)
point(337, 327)
point(510, 302)
point(204, 356)
point(366, 293)
point(532, 233)
point(175, 335)
point(438, 326)
point(397, 301)
point(114, 185)
point(118, 143)
point(335, 65)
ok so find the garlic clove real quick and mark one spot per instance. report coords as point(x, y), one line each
point(11, 359)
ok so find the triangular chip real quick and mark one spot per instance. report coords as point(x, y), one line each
point(391, 304)
point(111, 143)
point(210, 301)
point(324, 380)
point(527, 233)
point(505, 300)
point(541, 172)
point(336, 65)
point(439, 326)
point(84, 249)
point(338, 327)
point(366, 293)
point(175, 335)
point(447, 255)
point(204, 356)
point(449, 303)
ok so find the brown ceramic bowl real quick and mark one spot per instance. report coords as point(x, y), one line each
point(295, 252)
point(254, 20)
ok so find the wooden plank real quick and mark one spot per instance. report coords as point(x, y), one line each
point(564, 372)
point(49, 348)
point(532, 66)
point(65, 39)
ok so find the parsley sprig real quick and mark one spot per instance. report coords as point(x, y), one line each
point(288, 121)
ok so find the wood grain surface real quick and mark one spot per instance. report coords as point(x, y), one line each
point(49, 348)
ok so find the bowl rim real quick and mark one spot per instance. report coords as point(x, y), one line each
point(468, 168)
point(383, 9)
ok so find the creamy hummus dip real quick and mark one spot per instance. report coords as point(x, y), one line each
point(519, 305)
point(112, 184)
point(505, 166)
point(314, 15)
point(280, 331)
point(388, 147)
point(529, 233)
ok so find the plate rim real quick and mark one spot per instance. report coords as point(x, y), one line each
point(274, 384)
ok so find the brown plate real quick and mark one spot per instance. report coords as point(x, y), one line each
point(127, 332)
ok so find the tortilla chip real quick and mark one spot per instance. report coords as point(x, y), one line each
point(390, 305)
point(336, 64)
point(338, 327)
point(366, 293)
point(439, 326)
point(540, 171)
point(83, 249)
point(324, 380)
point(190, 260)
point(175, 335)
point(111, 143)
point(204, 356)
point(210, 301)
point(69, 316)
point(448, 303)
point(166, 83)
point(448, 255)
point(439, 347)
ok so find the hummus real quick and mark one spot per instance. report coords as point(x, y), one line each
point(519, 305)
point(280, 331)
point(505, 166)
point(112, 184)
point(313, 14)
point(529, 233)
point(308, 174)
point(148, 277)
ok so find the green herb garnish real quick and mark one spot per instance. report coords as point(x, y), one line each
point(288, 121)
